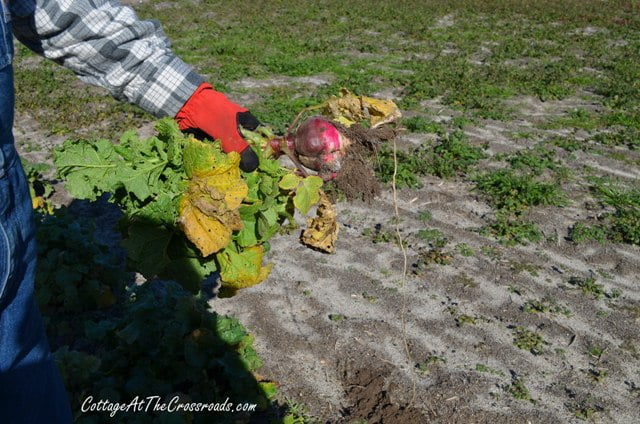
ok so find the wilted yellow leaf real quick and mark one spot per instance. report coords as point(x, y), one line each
point(322, 231)
point(349, 109)
point(380, 111)
point(209, 208)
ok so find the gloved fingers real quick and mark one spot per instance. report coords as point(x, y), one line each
point(247, 121)
point(248, 160)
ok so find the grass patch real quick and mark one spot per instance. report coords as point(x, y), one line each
point(526, 339)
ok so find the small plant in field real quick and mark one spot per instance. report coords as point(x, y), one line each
point(598, 375)
point(625, 136)
point(513, 231)
point(454, 155)
point(465, 250)
point(509, 192)
point(425, 216)
point(536, 160)
point(518, 390)
point(423, 125)
point(569, 144)
point(423, 367)
point(437, 256)
point(451, 155)
point(597, 351)
point(587, 408)
point(515, 290)
point(486, 369)
point(526, 339)
point(461, 320)
point(410, 166)
point(624, 222)
point(577, 118)
point(337, 317)
point(465, 280)
point(491, 251)
point(377, 234)
point(585, 413)
point(581, 232)
point(297, 413)
point(545, 306)
point(588, 286)
point(519, 267)
point(433, 236)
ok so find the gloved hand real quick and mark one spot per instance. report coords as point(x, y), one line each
point(212, 114)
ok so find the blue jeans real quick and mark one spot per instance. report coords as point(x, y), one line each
point(31, 389)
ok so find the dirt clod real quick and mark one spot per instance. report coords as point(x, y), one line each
point(367, 390)
point(356, 178)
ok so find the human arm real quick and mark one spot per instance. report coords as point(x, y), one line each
point(105, 44)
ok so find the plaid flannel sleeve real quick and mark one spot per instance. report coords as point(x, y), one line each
point(106, 44)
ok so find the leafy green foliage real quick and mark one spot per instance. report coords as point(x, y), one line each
point(423, 125)
point(581, 232)
point(76, 271)
point(149, 179)
point(518, 390)
point(115, 341)
point(624, 222)
point(513, 230)
point(588, 286)
point(203, 356)
point(514, 193)
point(451, 156)
point(528, 340)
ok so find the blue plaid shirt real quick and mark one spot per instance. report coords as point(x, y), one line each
point(106, 44)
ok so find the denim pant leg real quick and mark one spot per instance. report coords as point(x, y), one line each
point(31, 389)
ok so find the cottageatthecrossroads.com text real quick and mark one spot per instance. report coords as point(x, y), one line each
point(157, 404)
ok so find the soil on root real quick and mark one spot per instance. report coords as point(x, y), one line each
point(356, 179)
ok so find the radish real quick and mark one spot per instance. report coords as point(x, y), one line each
point(316, 144)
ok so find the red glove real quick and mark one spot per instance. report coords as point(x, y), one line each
point(212, 113)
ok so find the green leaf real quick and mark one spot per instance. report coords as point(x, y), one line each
point(88, 168)
point(308, 194)
point(247, 236)
point(142, 180)
point(289, 182)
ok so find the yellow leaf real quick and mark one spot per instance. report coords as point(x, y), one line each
point(322, 231)
point(209, 208)
point(380, 111)
point(349, 109)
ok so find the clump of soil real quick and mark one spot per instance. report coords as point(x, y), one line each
point(356, 178)
point(368, 394)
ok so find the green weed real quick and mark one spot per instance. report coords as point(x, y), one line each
point(486, 369)
point(465, 249)
point(588, 286)
point(624, 221)
point(513, 231)
point(519, 391)
point(526, 339)
point(581, 232)
point(545, 306)
point(514, 193)
point(433, 236)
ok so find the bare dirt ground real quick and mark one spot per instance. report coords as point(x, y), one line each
point(332, 331)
